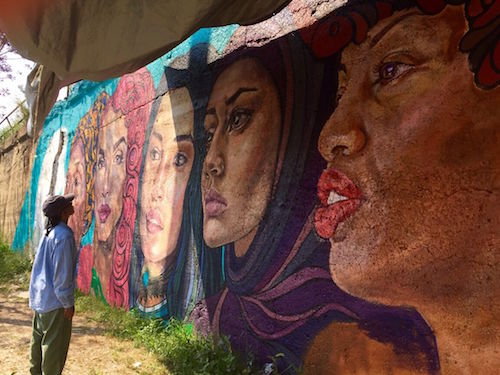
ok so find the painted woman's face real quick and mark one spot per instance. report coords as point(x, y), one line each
point(242, 124)
point(167, 166)
point(110, 173)
point(75, 183)
point(412, 152)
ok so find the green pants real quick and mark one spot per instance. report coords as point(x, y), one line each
point(49, 342)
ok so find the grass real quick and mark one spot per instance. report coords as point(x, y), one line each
point(175, 344)
point(180, 349)
point(14, 266)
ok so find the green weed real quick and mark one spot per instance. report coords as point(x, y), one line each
point(175, 343)
point(14, 266)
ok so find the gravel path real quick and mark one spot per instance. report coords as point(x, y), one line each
point(90, 351)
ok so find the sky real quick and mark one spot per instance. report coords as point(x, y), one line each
point(15, 84)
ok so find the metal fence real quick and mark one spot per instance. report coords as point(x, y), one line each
point(10, 123)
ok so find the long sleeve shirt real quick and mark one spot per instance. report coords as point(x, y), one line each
point(52, 284)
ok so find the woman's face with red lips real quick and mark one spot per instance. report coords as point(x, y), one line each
point(76, 184)
point(167, 166)
point(412, 150)
point(110, 173)
point(242, 123)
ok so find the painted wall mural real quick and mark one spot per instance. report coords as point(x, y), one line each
point(329, 198)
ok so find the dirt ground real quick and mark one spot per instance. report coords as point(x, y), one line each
point(90, 351)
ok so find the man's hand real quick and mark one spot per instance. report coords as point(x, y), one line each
point(69, 312)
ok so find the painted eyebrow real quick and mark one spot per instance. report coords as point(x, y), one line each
point(157, 135)
point(120, 141)
point(184, 137)
point(210, 111)
point(238, 92)
point(386, 29)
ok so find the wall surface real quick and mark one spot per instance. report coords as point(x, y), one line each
point(323, 187)
point(15, 156)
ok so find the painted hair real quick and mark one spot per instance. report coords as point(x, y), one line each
point(132, 97)
point(195, 271)
point(86, 133)
point(351, 23)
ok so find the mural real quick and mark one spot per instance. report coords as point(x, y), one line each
point(327, 199)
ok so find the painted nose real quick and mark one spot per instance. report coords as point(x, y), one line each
point(159, 182)
point(214, 165)
point(341, 133)
point(106, 183)
point(157, 191)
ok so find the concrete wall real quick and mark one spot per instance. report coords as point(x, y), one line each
point(327, 197)
point(15, 156)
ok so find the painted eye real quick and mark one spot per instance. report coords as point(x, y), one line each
point(100, 163)
point(392, 70)
point(209, 136)
point(180, 159)
point(118, 158)
point(155, 154)
point(239, 119)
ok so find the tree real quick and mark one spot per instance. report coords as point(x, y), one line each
point(13, 71)
point(5, 68)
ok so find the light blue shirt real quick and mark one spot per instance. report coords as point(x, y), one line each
point(52, 284)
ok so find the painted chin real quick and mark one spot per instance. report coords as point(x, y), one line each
point(338, 271)
point(213, 232)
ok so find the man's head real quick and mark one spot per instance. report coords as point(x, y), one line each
point(58, 207)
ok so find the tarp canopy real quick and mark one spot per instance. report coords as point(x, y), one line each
point(101, 39)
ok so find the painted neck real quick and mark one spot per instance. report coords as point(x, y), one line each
point(466, 335)
point(242, 245)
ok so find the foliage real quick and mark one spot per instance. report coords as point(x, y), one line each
point(19, 121)
point(184, 352)
point(14, 266)
point(180, 349)
point(5, 68)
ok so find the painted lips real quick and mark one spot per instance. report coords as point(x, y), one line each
point(154, 224)
point(215, 204)
point(339, 197)
point(103, 212)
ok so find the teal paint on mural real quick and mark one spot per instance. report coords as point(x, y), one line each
point(89, 236)
point(218, 37)
point(64, 115)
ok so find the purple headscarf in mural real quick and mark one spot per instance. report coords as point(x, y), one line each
point(280, 294)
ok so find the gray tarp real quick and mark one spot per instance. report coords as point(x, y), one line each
point(101, 39)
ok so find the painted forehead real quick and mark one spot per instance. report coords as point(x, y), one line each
point(247, 72)
point(109, 116)
point(405, 30)
point(175, 113)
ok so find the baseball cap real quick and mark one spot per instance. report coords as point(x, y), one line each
point(55, 204)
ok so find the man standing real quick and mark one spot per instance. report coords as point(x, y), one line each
point(52, 289)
